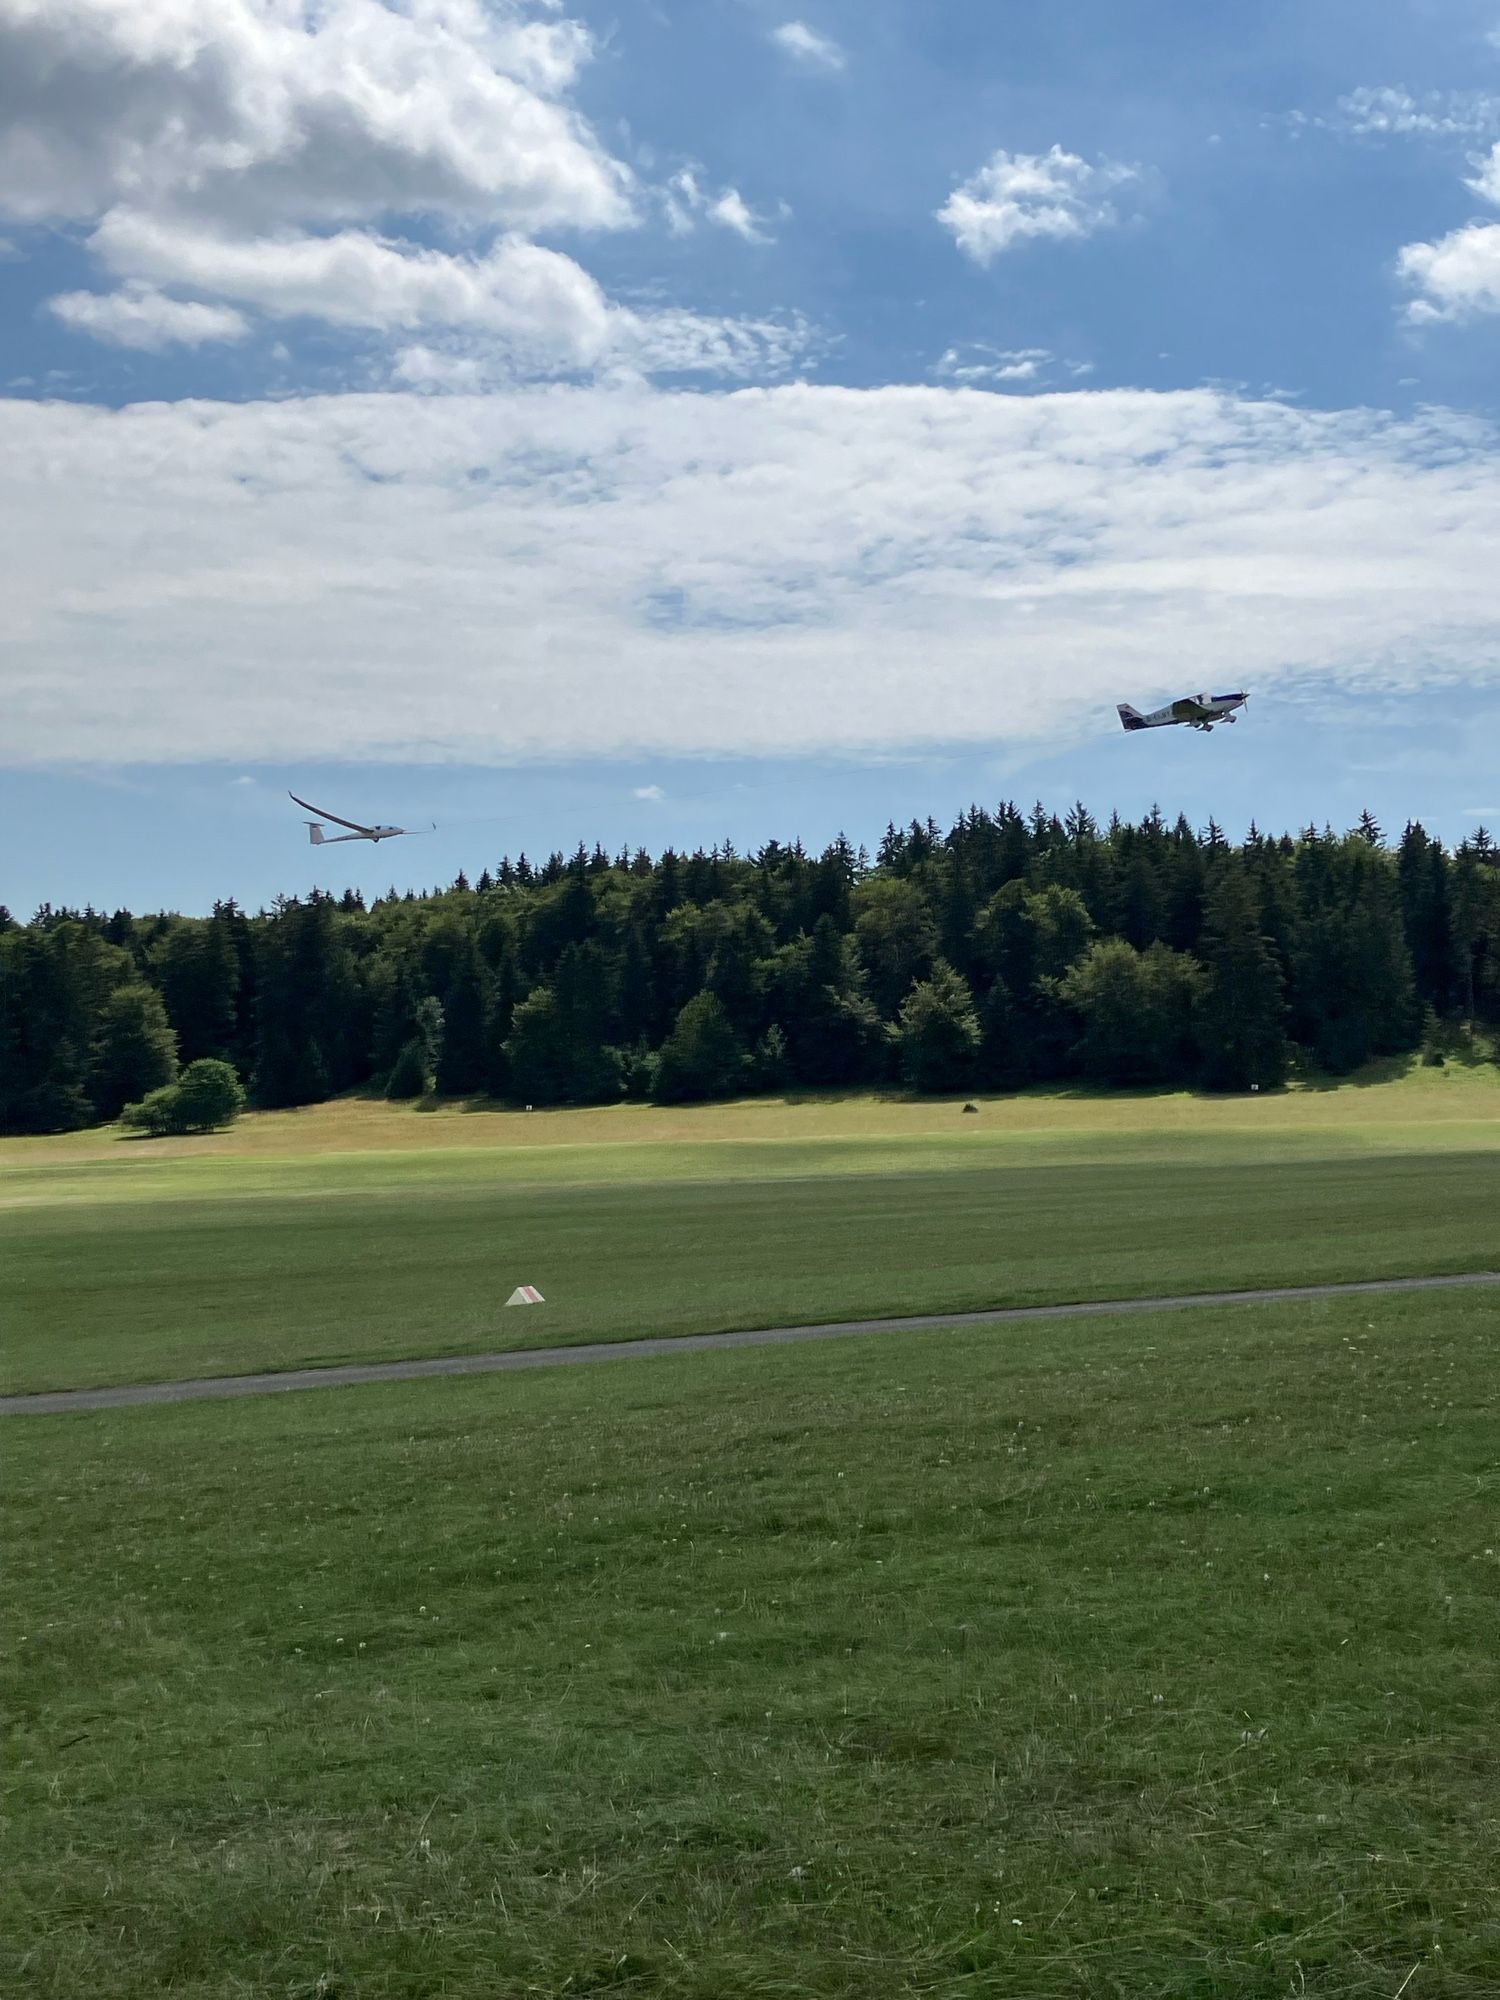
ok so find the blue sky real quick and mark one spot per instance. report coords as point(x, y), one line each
point(676, 422)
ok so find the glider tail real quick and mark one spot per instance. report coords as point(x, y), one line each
point(1131, 717)
point(315, 833)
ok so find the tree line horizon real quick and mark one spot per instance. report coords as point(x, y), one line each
point(1014, 948)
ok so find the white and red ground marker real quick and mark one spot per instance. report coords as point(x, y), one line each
point(526, 1295)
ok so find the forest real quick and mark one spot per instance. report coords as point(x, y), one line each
point(1015, 948)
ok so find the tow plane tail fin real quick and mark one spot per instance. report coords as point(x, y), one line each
point(1130, 717)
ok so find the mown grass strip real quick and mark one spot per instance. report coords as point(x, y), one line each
point(212, 1388)
point(108, 1293)
point(1127, 1656)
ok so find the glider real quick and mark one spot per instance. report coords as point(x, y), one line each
point(1198, 711)
point(318, 838)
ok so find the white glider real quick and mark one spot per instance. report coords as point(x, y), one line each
point(318, 838)
point(1198, 711)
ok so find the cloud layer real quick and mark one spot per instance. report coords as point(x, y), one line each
point(579, 571)
point(1018, 198)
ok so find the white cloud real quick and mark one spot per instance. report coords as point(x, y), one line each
point(533, 297)
point(653, 794)
point(976, 363)
point(329, 110)
point(1387, 112)
point(516, 308)
point(1458, 275)
point(731, 212)
point(440, 371)
point(807, 48)
point(685, 199)
point(584, 571)
point(1018, 197)
point(670, 341)
point(296, 159)
point(137, 316)
point(1486, 177)
point(664, 341)
point(1455, 277)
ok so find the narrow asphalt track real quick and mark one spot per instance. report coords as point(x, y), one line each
point(212, 1388)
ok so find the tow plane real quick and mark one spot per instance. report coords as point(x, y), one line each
point(318, 838)
point(1198, 711)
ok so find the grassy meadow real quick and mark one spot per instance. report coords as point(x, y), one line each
point(362, 1231)
point(1110, 1658)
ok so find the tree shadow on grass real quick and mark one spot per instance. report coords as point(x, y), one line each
point(1385, 1069)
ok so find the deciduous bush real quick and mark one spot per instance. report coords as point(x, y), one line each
point(938, 1034)
point(207, 1095)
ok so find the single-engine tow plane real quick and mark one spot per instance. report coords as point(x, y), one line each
point(318, 838)
point(1198, 711)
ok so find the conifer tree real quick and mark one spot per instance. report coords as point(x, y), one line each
point(310, 1079)
point(135, 1049)
point(1004, 1058)
point(1427, 917)
point(506, 992)
point(465, 1004)
point(198, 972)
point(1242, 1010)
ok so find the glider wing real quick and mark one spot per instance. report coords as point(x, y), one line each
point(352, 824)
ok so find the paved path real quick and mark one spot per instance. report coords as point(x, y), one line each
point(208, 1388)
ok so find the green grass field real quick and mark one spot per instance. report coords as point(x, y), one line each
point(1127, 1657)
point(359, 1231)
